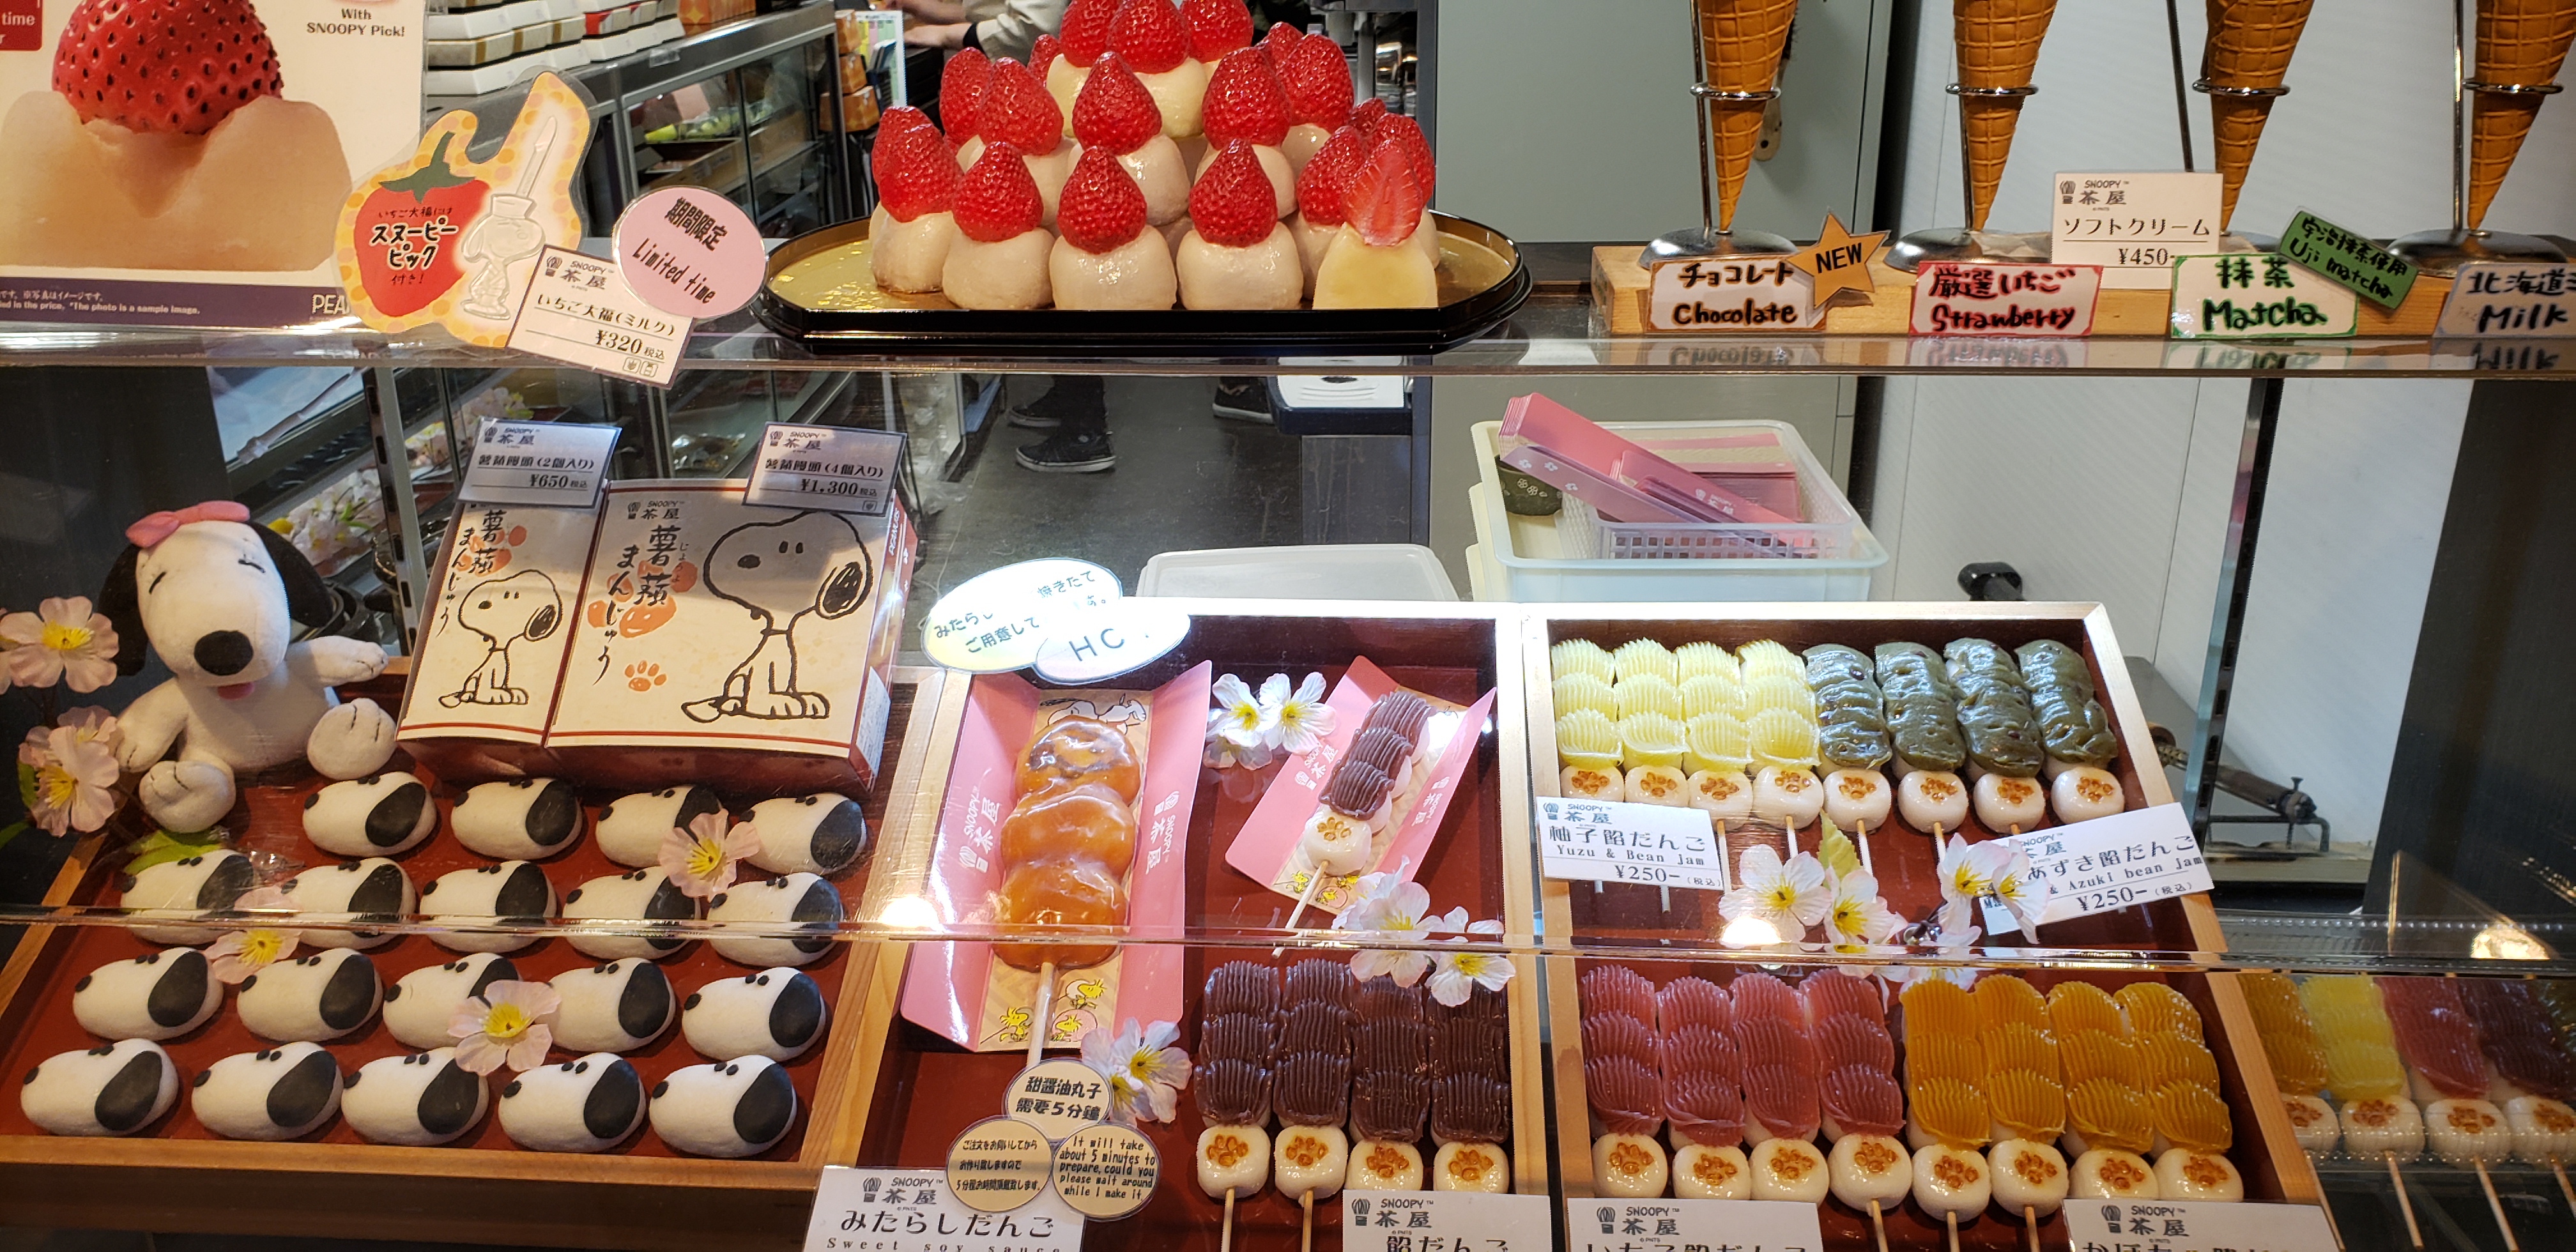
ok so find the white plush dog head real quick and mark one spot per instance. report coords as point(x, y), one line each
point(216, 597)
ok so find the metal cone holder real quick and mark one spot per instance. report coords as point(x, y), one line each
point(1706, 239)
point(2252, 240)
point(1956, 243)
point(2443, 252)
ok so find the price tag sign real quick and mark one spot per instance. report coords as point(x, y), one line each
point(2005, 298)
point(2510, 300)
point(1731, 294)
point(2133, 225)
point(1107, 1172)
point(996, 620)
point(689, 251)
point(2258, 295)
point(579, 310)
point(1637, 1225)
point(999, 1164)
point(911, 1210)
point(560, 464)
point(2110, 863)
point(1058, 1097)
point(1408, 1221)
point(2204, 1226)
point(2348, 257)
point(840, 468)
point(1609, 841)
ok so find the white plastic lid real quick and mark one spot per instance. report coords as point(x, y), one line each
point(1338, 571)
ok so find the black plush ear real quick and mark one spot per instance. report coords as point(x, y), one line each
point(308, 598)
point(121, 603)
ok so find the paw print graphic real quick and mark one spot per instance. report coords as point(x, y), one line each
point(645, 676)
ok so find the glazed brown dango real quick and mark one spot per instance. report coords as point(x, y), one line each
point(1078, 751)
point(1085, 822)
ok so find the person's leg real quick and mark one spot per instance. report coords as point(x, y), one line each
point(1077, 409)
point(1243, 399)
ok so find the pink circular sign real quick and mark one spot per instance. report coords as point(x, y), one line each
point(689, 251)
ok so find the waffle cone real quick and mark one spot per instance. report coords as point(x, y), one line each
point(2520, 43)
point(2250, 42)
point(1740, 45)
point(1998, 45)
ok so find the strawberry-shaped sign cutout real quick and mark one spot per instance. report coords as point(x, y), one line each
point(406, 233)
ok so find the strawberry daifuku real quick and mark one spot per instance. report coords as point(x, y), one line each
point(1150, 36)
point(910, 233)
point(1216, 28)
point(1244, 102)
point(1117, 115)
point(1238, 255)
point(1406, 134)
point(1374, 264)
point(1321, 188)
point(1105, 257)
point(1318, 83)
point(1000, 258)
point(1017, 110)
point(961, 101)
point(1084, 37)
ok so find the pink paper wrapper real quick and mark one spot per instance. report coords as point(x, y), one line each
point(960, 989)
point(1266, 848)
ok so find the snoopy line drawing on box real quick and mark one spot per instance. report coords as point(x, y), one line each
point(505, 611)
point(782, 571)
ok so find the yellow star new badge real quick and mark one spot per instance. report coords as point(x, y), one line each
point(1839, 259)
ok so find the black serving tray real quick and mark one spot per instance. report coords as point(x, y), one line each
point(1481, 275)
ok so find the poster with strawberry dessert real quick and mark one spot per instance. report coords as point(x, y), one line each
point(183, 162)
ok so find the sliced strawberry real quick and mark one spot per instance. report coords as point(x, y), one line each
point(1281, 38)
point(1369, 113)
point(1102, 208)
point(1326, 180)
point(900, 117)
point(1042, 52)
point(1019, 111)
point(1086, 29)
point(1217, 27)
point(1114, 112)
point(916, 170)
point(1385, 203)
point(1417, 150)
point(1232, 203)
point(1244, 101)
point(163, 66)
point(961, 93)
point(1149, 33)
point(997, 199)
point(1318, 82)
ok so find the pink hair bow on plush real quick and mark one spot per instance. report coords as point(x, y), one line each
point(155, 527)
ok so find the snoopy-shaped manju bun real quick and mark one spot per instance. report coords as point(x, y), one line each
point(776, 1013)
point(374, 889)
point(800, 899)
point(416, 1100)
point(512, 891)
point(518, 819)
point(319, 996)
point(113, 1089)
point(646, 895)
point(631, 828)
point(159, 995)
point(378, 815)
point(613, 1007)
point(420, 1004)
point(740, 1107)
point(816, 834)
point(183, 889)
point(284, 1092)
point(587, 1104)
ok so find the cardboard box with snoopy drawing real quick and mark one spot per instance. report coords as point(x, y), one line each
point(493, 641)
point(728, 643)
point(184, 162)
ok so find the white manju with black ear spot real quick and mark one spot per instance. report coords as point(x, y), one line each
point(113, 1089)
point(284, 1092)
point(416, 1100)
point(776, 1013)
point(420, 1004)
point(631, 829)
point(615, 1007)
point(159, 995)
point(816, 834)
point(790, 899)
point(740, 1107)
point(322, 995)
point(374, 889)
point(378, 815)
point(636, 895)
point(588, 1104)
point(520, 819)
point(185, 889)
point(510, 892)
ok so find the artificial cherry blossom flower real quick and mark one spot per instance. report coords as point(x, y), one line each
point(1456, 975)
point(511, 1023)
point(1239, 730)
point(1855, 916)
point(1773, 901)
point(1966, 872)
point(703, 859)
point(1392, 908)
point(62, 641)
point(69, 781)
point(1299, 720)
point(2021, 893)
point(92, 724)
point(1145, 1071)
point(238, 954)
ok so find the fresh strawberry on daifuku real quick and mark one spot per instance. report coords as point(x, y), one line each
point(912, 229)
point(1151, 37)
point(1237, 255)
point(1115, 114)
point(1107, 258)
point(1246, 103)
point(1000, 258)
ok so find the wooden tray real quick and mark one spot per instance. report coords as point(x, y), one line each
point(176, 1176)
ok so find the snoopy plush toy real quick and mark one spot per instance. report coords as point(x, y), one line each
point(217, 598)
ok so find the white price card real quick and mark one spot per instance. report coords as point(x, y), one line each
point(579, 310)
point(2510, 300)
point(840, 468)
point(996, 620)
point(2110, 863)
point(910, 1210)
point(2258, 295)
point(1058, 1096)
point(1444, 1221)
point(2203, 1226)
point(1610, 841)
point(558, 464)
point(2004, 298)
point(1731, 294)
point(1604, 1225)
point(2133, 225)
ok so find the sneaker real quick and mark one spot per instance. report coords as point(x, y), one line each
point(1064, 453)
point(1243, 399)
point(1047, 412)
point(1030, 419)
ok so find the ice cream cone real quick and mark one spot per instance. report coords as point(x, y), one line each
point(1741, 42)
point(2250, 42)
point(1998, 43)
point(2521, 43)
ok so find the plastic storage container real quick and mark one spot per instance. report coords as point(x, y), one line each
point(1319, 571)
point(1556, 559)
